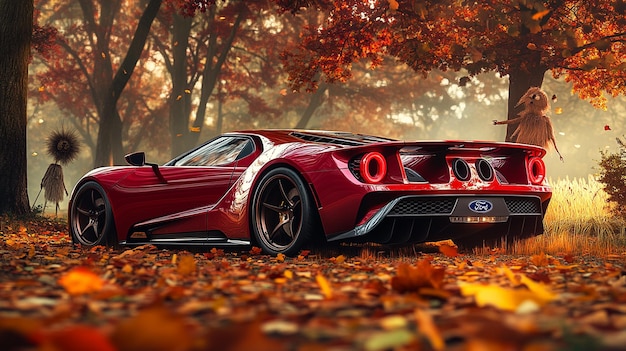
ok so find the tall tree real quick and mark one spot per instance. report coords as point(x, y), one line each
point(101, 48)
point(16, 27)
point(523, 39)
point(215, 54)
point(108, 87)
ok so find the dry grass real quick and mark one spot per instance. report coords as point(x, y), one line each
point(578, 221)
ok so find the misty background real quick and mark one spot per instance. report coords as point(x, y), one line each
point(582, 131)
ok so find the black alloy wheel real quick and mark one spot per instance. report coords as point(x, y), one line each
point(91, 218)
point(283, 217)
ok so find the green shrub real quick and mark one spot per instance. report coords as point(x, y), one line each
point(613, 177)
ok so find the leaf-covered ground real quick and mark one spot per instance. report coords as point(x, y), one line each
point(55, 296)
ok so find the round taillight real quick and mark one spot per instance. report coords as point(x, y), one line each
point(461, 169)
point(484, 170)
point(536, 170)
point(373, 167)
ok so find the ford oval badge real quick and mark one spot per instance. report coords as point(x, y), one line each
point(480, 206)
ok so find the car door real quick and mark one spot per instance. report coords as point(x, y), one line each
point(185, 188)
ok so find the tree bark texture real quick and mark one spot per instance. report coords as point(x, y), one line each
point(16, 27)
point(180, 100)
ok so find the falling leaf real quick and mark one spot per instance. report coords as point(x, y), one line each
point(558, 110)
point(324, 286)
point(81, 280)
point(194, 129)
point(554, 98)
point(607, 127)
point(339, 259)
point(393, 5)
point(539, 15)
point(283, 92)
point(531, 46)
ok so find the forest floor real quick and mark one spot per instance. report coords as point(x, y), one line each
point(56, 296)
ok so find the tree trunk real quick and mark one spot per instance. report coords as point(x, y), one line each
point(109, 149)
point(180, 100)
point(212, 70)
point(16, 27)
point(520, 81)
point(315, 102)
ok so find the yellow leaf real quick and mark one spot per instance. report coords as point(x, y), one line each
point(174, 258)
point(195, 129)
point(340, 259)
point(187, 91)
point(541, 290)
point(280, 257)
point(288, 274)
point(81, 280)
point(499, 297)
point(558, 110)
point(324, 286)
point(509, 274)
point(31, 252)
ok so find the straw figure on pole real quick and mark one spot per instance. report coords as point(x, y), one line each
point(534, 124)
point(63, 146)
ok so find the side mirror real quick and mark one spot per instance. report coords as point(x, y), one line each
point(136, 159)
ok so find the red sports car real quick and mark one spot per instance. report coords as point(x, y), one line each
point(284, 189)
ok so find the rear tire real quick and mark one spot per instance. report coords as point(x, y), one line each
point(283, 216)
point(91, 218)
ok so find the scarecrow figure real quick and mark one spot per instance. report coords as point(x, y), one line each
point(534, 125)
point(63, 146)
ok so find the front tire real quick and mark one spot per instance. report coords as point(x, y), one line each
point(283, 216)
point(91, 217)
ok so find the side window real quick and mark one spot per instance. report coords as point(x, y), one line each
point(220, 151)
